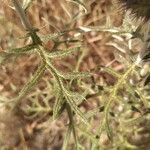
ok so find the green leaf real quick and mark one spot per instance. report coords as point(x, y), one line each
point(72, 103)
point(21, 49)
point(108, 129)
point(62, 53)
point(59, 101)
point(70, 75)
point(133, 121)
point(52, 36)
point(72, 124)
point(78, 98)
point(58, 105)
point(35, 78)
point(15, 51)
point(94, 111)
point(74, 75)
point(67, 138)
point(111, 72)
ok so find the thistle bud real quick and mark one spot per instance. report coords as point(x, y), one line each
point(140, 9)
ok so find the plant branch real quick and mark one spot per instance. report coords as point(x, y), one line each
point(22, 15)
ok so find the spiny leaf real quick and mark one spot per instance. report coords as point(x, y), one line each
point(67, 138)
point(97, 28)
point(72, 124)
point(36, 109)
point(69, 96)
point(142, 98)
point(94, 111)
point(54, 72)
point(62, 53)
point(52, 36)
point(75, 108)
point(76, 96)
point(58, 105)
point(108, 129)
point(80, 97)
point(74, 75)
point(35, 78)
point(21, 49)
point(133, 121)
point(56, 88)
point(71, 75)
point(31, 111)
point(111, 72)
point(17, 51)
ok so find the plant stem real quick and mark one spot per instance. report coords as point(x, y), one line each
point(25, 21)
point(22, 15)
